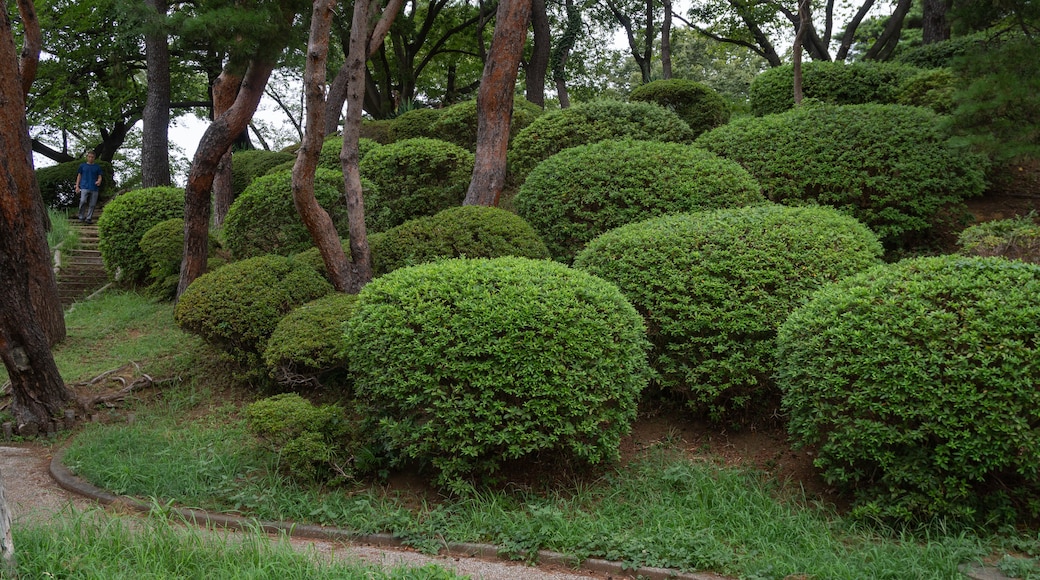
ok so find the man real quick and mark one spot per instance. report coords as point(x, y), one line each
point(88, 183)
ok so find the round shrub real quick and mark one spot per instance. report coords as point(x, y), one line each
point(714, 287)
point(253, 163)
point(590, 123)
point(944, 53)
point(312, 256)
point(699, 105)
point(469, 364)
point(458, 232)
point(887, 165)
point(413, 124)
point(1016, 238)
point(584, 191)
point(163, 246)
point(932, 88)
point(835, 83)
point(237, 307)
point(125, 221)
point(414, 178)
point(58, 184)
point(306, 437)
point(307, 345)
point(330, 149)
point(458, 123)
point(916, 383)
point(264, 220)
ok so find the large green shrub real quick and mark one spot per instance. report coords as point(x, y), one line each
point(889, 166)
point(237, 307)
point(458, 123)
point(1015, 238)
point(306, 348)
point(835, 83)
point(253, 163)
point(163, 246)
point(916, 385)
point(941, 54)
point(470, 364)
point(699, 105)
point(306, 437)
point(413, 124)
point(330, 150)
point(413, 178)
point(584, 191)
point(931, 88)
point(264, 220)
point(125, 221)
point(590, 123)
point(714, 287)
point(457, 232)
point(58, 184)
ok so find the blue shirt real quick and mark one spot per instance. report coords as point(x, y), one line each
point(90, 173)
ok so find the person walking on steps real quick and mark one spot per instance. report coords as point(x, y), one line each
point(88, 183)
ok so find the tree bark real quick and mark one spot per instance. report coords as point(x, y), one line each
point(32, 43)
point(799, 39)
point(10, 567)
point(666, 41)
point(534, 80)
point(561, 52)
point(850, 30)
point(886, 43)
point(37, 388)
point(495, 102)
point(155, 139)
point(935, 26)
point(225, 91)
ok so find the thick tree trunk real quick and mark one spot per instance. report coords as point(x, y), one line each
point(495, 102)
point(666, 41)
point(534, 80)
point(799, 39)
point(225, 91)
point(215, 142)
point(562, 51)
point(334, 101)
point(886, 43)
point(935, 26)
point(32, 43)
point(155, 141)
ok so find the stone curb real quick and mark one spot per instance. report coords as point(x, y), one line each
point(70, 482)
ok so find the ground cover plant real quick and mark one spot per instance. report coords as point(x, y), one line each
point(1015, 238)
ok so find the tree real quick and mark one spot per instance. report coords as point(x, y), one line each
point(155, 143)
point(36, 385)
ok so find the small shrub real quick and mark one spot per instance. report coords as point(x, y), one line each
point(238, 306)
point(887, 165)
point(414, 124)
point(306, 437)
point(125, 221)
point(248, 165)
point(699, 105)
point(834, 83)
point(330, 150)
point(932, 89)
point(306, 347)
point(414, 178)
point(916, 384)
point(584, 191)
point(457, 232)
point(714, 287)
point(163, 245)
point(470, 364)
point(1016, 238)
point(590, 123)
point(58, 184)
point(264, 220)
point(377, 130)
point(458, 123)
point(312, 257)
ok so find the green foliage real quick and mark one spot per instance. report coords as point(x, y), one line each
point(125, 221)
point(377, 130)
point(714, 287)
point(931, 88)
point(237, 307)
point(697, 104)
point(940, 54)
point(307, 344)
point(163, 246)
point(887, 165)
point(413, 178)
point(251, 164)
point(1016, 238)
point(306, 437)
point(413, 124)
point(458, 123)
point(58, 184)
point(330, 149)
point(470, 364)
point(592, 122)
point(835, 83)
point(457, 232)
point(312, 256)
point(916, 383)
point(264, 220)
point(583, 191)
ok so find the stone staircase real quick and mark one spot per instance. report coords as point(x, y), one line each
point(80, 271)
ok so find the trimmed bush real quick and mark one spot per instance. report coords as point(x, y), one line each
point(916, 385)
point(163, 246)
point(1016, 238)
point(590, 123)
point(584, 191)
point(330, 149)
point(699, 105)
point(887, 165)
point(377, 130)
point(944, 53)
point(413, 124)
point(264, 220)
point(457, 232)
point(238, 306)
point(307, 345)
point(470, 364)
point(414, 178)
point(834, 83)
point(714, 287)
point(248, 165)
point(58, 184)
point(458, 123)
point(932, 88)
point(306, 437)
point(312, 257)
point(125, 221)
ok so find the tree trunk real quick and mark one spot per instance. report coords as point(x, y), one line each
point(32, 43)
point(850, 30)
point(225, 91)
point(334, 101)
point(37, 388)
point(799, 39)
point(215, 142)
point(935, 26)
point(561, 52)
point(666, 41)
point(886, 43)
point(534, 80)
point(10, 567)
point(155, 140)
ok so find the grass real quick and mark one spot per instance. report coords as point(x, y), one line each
point(61, 232)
